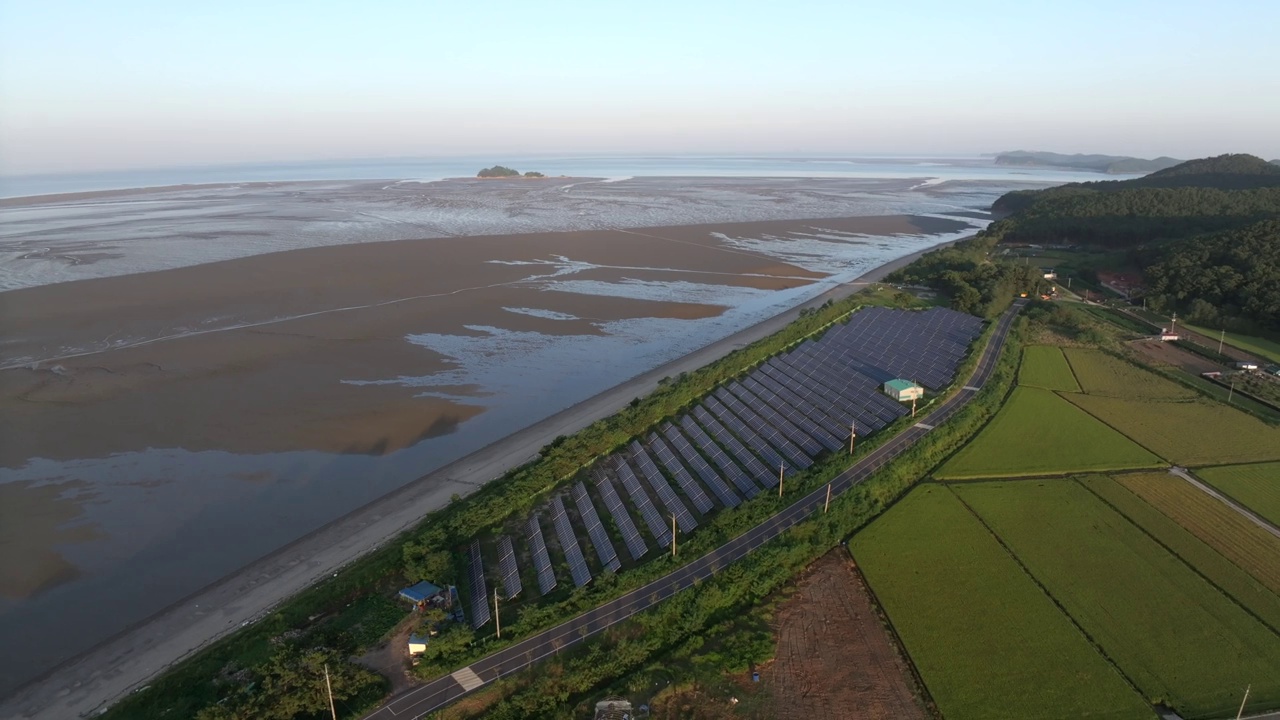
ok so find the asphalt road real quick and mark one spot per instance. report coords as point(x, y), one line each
point(440, 692)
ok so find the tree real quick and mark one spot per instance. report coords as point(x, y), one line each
point(422, 563)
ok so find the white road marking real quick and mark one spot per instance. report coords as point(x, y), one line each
point(467, 678)
point(926, 426)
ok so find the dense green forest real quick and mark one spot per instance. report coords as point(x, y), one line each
point(1224, 278)
point(974, 282)
point(1206, 232)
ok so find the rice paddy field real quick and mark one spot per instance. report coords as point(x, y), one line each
point(1195, 432)
point(1254, 486)
point(985, 639)
point(1253, 549)
point(1039, 433)
point(1213, 565)
point(1044, 366)
point(1171, 633)
point(1102, 374)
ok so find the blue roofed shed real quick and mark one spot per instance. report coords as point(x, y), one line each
point(420, 593)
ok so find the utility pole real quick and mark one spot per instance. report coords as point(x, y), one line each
point(913, 407)
point(1221, 338)
point(827, 504)
point(781, 467)
point(497, 621)
point(853, 433)
point(1240, 713)
point(329, 688)
point(1231, 391)
point(673, 534)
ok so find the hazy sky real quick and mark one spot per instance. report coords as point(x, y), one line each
point(93, 85)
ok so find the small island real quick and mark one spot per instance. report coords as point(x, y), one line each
point(500, 171)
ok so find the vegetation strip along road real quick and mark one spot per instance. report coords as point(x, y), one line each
point(444, 690)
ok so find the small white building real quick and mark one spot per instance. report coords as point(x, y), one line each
point(903, 390)
point(417, 644)
point(1246, 365)
point(1167, 335)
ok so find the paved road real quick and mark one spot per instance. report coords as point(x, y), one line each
point(104, 674)
point(442, 691)
point(1244, 512)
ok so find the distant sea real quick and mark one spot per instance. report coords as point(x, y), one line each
point(938, 168)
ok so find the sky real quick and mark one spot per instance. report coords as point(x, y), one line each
point(133, 84)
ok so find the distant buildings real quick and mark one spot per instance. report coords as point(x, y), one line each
point(903, 390)
point(1049, 273)
point(423, 594)
point(1246, 365)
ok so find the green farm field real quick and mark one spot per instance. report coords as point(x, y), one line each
point(1255, 550)
point(1174, 635)
point(1044, 366)
point(1257, 487)
point(1039, 433)
point(1216, 567)
point(987, 642)
point(1197, 432)
point(1103, 374)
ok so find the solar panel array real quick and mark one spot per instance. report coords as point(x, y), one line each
point(595, 529)
point(479, 590)
point(508, 568)
point(569, 543)
point(782, 414)
point(541, 560)
point(630, 535)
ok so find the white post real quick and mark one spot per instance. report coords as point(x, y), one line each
point(1240, 713)
point(853, 433)
point(1231, 391)
point(673, 535)
point(781, 468)
point(497, 622)
point(1221, 337)
point(826, 506)
point(334, 711)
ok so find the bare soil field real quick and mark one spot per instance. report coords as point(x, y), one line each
point(835, 658)
point(1170, 354)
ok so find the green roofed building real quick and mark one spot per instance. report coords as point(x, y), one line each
point(903, 390)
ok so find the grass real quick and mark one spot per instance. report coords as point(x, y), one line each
point(1044, 366)
point(1039, 433)
point(1255, 486)
point(1215, 566)
point(1255, 550)
point(1102, 374)
point(1263, 347)
point(1197, 432)
point(987, 642)
point(1179, 639)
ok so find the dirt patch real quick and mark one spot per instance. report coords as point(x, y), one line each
point(1169, 354)
point(391, 658)
point(834, 656)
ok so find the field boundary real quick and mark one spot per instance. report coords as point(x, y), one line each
point(917, 680)
point(1177, 555)
point(1116, 429)
point(1070, 618)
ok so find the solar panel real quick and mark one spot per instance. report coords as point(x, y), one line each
point(754, 468)
point(772, 411)
point(595, 530)
point(709, 476)
point(796, 392)
point(755, 443)
point(658, 527)
point(630, 535)
point(541, 560)
point(569, 543)
point(684, 519)
point(794, 455)
point(479, 590)
point(507, 566)
point(692, 490)
point(798, 416)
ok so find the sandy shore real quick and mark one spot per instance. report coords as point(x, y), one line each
point(132, 657)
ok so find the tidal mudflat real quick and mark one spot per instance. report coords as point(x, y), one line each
point(186, 390)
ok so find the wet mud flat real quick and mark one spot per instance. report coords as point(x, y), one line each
point(160, 430)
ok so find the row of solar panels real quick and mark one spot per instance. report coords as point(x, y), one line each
point(742, 438)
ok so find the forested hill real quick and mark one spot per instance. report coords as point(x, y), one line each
point(1111, 164)
point(1197, 196)
point(1206, 232)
